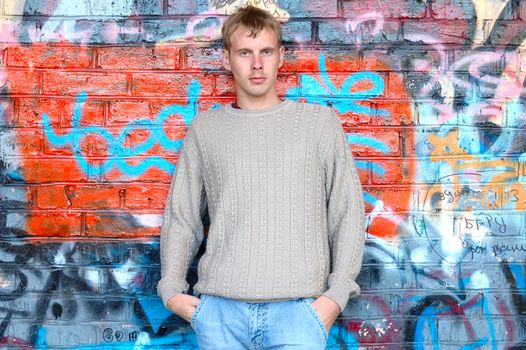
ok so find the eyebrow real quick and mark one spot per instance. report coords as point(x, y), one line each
point(270, 48)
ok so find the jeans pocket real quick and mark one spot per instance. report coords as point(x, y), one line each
point(308, 305)
point(198, 309)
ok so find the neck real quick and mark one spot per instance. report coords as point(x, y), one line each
point(260, 103)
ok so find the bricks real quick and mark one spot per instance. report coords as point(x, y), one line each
point(126, 111)
point(152, 31)
point(14, 30)
point(391, 113)
point(27, 142)
point(204, 58)
point(172, 85)
point(93, 145)
point(23, 82)
point(55, 224)
point(45, 56)
point(44, 170)
point(366, 143)
point(433, 117)
point(397, 198)
point(125, 8)
point(393, 9)
point(120, 224)
point(92, 113)
point(522, 10)
point(412, 84)
point(53, 197)
point(338, 32)
point(95, 197)
point(30, 111)
point(507, 33)
point(445, 32)
point(134, 58)
point(183, 7)
point(146, 197)
point(395, 172)
point(448, 9)
point(36, 8)
point(301, 9)
point(73, 83)
point(297, 32)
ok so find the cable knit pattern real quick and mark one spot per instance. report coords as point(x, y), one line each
point(285, 205)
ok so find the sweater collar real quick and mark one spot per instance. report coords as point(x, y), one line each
point(283, 104)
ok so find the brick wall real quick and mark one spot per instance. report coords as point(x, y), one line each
point(95, 100)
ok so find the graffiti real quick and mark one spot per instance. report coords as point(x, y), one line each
point(376, 18)
point(434, 114)
point(118, 152)
point(345, 99)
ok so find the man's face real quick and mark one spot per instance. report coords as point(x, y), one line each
point(254, 63)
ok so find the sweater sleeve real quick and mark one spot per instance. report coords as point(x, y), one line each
point(345, 211)
point(182, 227)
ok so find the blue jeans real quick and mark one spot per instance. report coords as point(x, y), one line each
point(223, 323)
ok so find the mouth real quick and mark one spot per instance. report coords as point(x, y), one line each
point(257, 80)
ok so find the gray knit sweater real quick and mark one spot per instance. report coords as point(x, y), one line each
point(285, 206)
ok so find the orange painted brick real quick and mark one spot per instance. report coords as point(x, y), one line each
point(382, 142)
point(169, 84)
point(207, 103)
point(52, 197)
point(48, 56)
point(392, 172)
point(285, 82)
point(151, 175)
point(41, 170)
point(308, 60)
point(119, 224)
point(124, 112)
point(138, 137)
point(30, 111)
point(225, 86)
point(400, 113)
point(95, 197)
point(386, 225)
point(351, 118)
point(72, 83)
point(154, 57)
point(94, 145)
point(395, 87)
point(156, 107)
point(92, 113)
point(23, 81)
point(394, 199)
point(146, 197)
point(24, 141)
point(364, 175)
point(52, 150)
point(55, 224)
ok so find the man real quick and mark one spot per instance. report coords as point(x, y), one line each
point(286, 211)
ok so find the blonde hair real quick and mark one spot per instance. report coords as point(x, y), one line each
point(254, 19)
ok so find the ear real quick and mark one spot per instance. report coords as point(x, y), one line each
point(281, 56)
point(226, 60)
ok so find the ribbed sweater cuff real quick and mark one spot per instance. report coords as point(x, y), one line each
point(167, 289)
point(341, 293)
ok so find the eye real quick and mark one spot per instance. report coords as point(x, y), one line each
point(267, 52)
point(243, 53)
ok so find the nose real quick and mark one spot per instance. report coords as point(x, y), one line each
point(256, 64)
